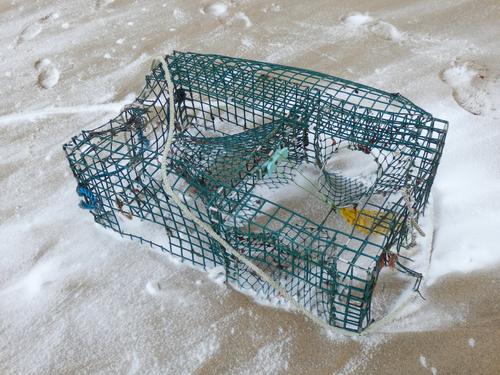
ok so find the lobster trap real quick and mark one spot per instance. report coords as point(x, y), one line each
point(316, 180)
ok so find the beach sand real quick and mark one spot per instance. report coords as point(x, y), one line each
point(76, 298)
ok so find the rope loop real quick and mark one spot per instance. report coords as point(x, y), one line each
point(90, 201)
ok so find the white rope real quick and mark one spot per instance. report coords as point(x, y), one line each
point(412, 221)
point(228, 248)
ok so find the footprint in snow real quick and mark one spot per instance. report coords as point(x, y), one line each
point(99, 4)
point(472, 87)
point(386, 31)
point(32, 30)
point(216, 9)
point(379, 28)
point(221, 11)
point(241, 18)
point(274, 8)
point(48, 74)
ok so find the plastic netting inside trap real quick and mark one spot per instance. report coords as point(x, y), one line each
point(303, 173)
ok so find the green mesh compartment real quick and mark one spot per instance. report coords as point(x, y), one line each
point(259, 154)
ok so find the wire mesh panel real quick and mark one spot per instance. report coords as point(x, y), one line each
point(311, 177)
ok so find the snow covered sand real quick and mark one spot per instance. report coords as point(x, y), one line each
point(77, 298)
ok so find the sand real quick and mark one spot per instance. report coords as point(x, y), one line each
point(75, 298)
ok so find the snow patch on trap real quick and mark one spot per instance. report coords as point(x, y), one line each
point(353, 164)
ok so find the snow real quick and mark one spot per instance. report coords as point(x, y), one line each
point(468, 204)
point(216, 9)
point(471, 342)
point(363, 21)
point(361, 360)
point(352, 163)
point(471, 86)
point(103, 3)
point(48, 75)
point(52, 111)
point(386, 31)
point(152, 289)
point(424, 364)
point(76, 297)
point(272, 358)
point(242, 16)
point(423, 361)
point(30, 32)
point(356, 20)
point(217, 274)
point(31, 285)
point(273, 8)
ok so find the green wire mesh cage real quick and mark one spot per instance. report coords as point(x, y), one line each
point(313, 178)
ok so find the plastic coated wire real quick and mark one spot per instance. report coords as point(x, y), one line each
point(227, 247)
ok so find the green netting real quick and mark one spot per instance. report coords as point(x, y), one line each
point(264, 154)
